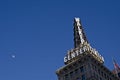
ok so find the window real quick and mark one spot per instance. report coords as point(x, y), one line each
point(66, 77)
point(71, 74)
point(82, 69)
point(83, 77)
point(89, 67)
point(100, 78)
point(119, 74)
point(78, 78)
point(76, 71)
point(99, 71)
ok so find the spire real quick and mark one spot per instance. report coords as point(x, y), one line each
point(79, 35)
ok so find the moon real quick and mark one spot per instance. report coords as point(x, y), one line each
point(13, 56)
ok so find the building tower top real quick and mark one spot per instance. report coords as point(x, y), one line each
point(81, 45)
point(79, 35)
point(84, 62)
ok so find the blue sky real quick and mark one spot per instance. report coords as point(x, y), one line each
point(39, 33)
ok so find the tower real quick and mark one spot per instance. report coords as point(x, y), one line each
point(83, 62)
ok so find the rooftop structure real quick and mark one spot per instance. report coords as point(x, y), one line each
point(83, 62)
